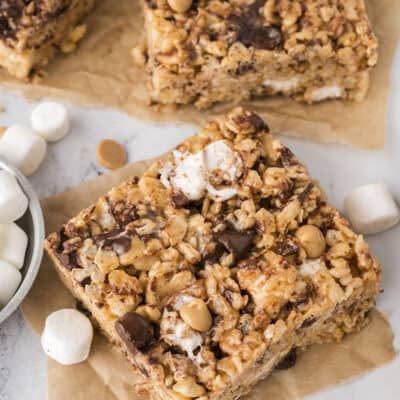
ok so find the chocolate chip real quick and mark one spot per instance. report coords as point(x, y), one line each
point(308, 322)
point(213, 256)
point(68, 261)
point(242, 68)
point(286, 158)
point(80, 307)
point(289, 361)
point(239, 243)
point(152, 4)
point(72, 245)
point(303, 195)
point(86, 281)
point(258, 123)
point(266, 203)
point(179, 200)
point(286, 247)
point(123, 212)
point(136, 331)
point(261, 37)
point(251, 32)
point(115, 240)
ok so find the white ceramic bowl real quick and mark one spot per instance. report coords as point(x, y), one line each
point(33, 224)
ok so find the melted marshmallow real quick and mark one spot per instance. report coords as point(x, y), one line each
point(311, 267)
point(192, 171)
point(327, 92)
point(282, 85)
point(184, 337)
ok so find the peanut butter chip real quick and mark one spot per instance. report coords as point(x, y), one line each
point(197, 315)
point(180, 6)
point(312, 240)
point(111, 154)
point(2, 130)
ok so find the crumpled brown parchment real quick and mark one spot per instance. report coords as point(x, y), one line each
point(101, 72)
point(108, 376)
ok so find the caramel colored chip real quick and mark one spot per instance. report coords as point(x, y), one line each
point(111, 154)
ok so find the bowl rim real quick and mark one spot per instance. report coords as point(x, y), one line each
point(38, 239)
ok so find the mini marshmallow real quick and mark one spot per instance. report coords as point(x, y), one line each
point(50, 120)
point(67, 336)
point(326, 92)
point(10, 279)
point(13, 244)
point(21, 147)
point(13, 202)
point(223, 194)
point(190, 175)
point(282, 85)
point(219, 156)
point(371, 208)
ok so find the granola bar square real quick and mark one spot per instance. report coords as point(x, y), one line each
point(31, 31)
point(217, 264)
point(231, 50)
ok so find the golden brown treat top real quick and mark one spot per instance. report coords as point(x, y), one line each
point(214, 254)
point(304, 30)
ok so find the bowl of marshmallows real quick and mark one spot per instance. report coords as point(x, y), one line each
point(22, 150)
point(21, 238)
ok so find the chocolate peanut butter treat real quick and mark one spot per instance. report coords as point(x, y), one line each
point(31, 31)
point(216, 276)
point(311, 50)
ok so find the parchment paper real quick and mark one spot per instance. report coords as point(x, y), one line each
point(107, 376)
point(102, 72)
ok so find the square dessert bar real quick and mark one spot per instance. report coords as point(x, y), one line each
point(213, 51)
point(211, 269)
point(32, 30)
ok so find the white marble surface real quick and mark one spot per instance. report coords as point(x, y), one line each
point(339, 168)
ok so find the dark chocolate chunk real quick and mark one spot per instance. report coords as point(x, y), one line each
point(123, 212)
point(258, 123)
point(86, 281)
point(308, 322)
point(179, 200)
point(68, 261)
point(251, 32)
point(286, 247)
point(289, 361)
point(260, 37)
point(303, 195)
point(213, 256)
point(239, 243)
point(243, 68)
point(115, 240)
point(286, 158)
point(80, 307)
point(136, 331)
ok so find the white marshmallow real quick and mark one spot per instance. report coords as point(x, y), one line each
point(282, 85)
point(190, 175)
point(327, 92)
point(21, 147)
point(223, 194)
point(10, 279)
point(13, 202)
point(50, 120)
point(192, 171)
point(219, 156)
point(67, 336)
point(371, 208)
point(13, 244)
point(311, 267)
